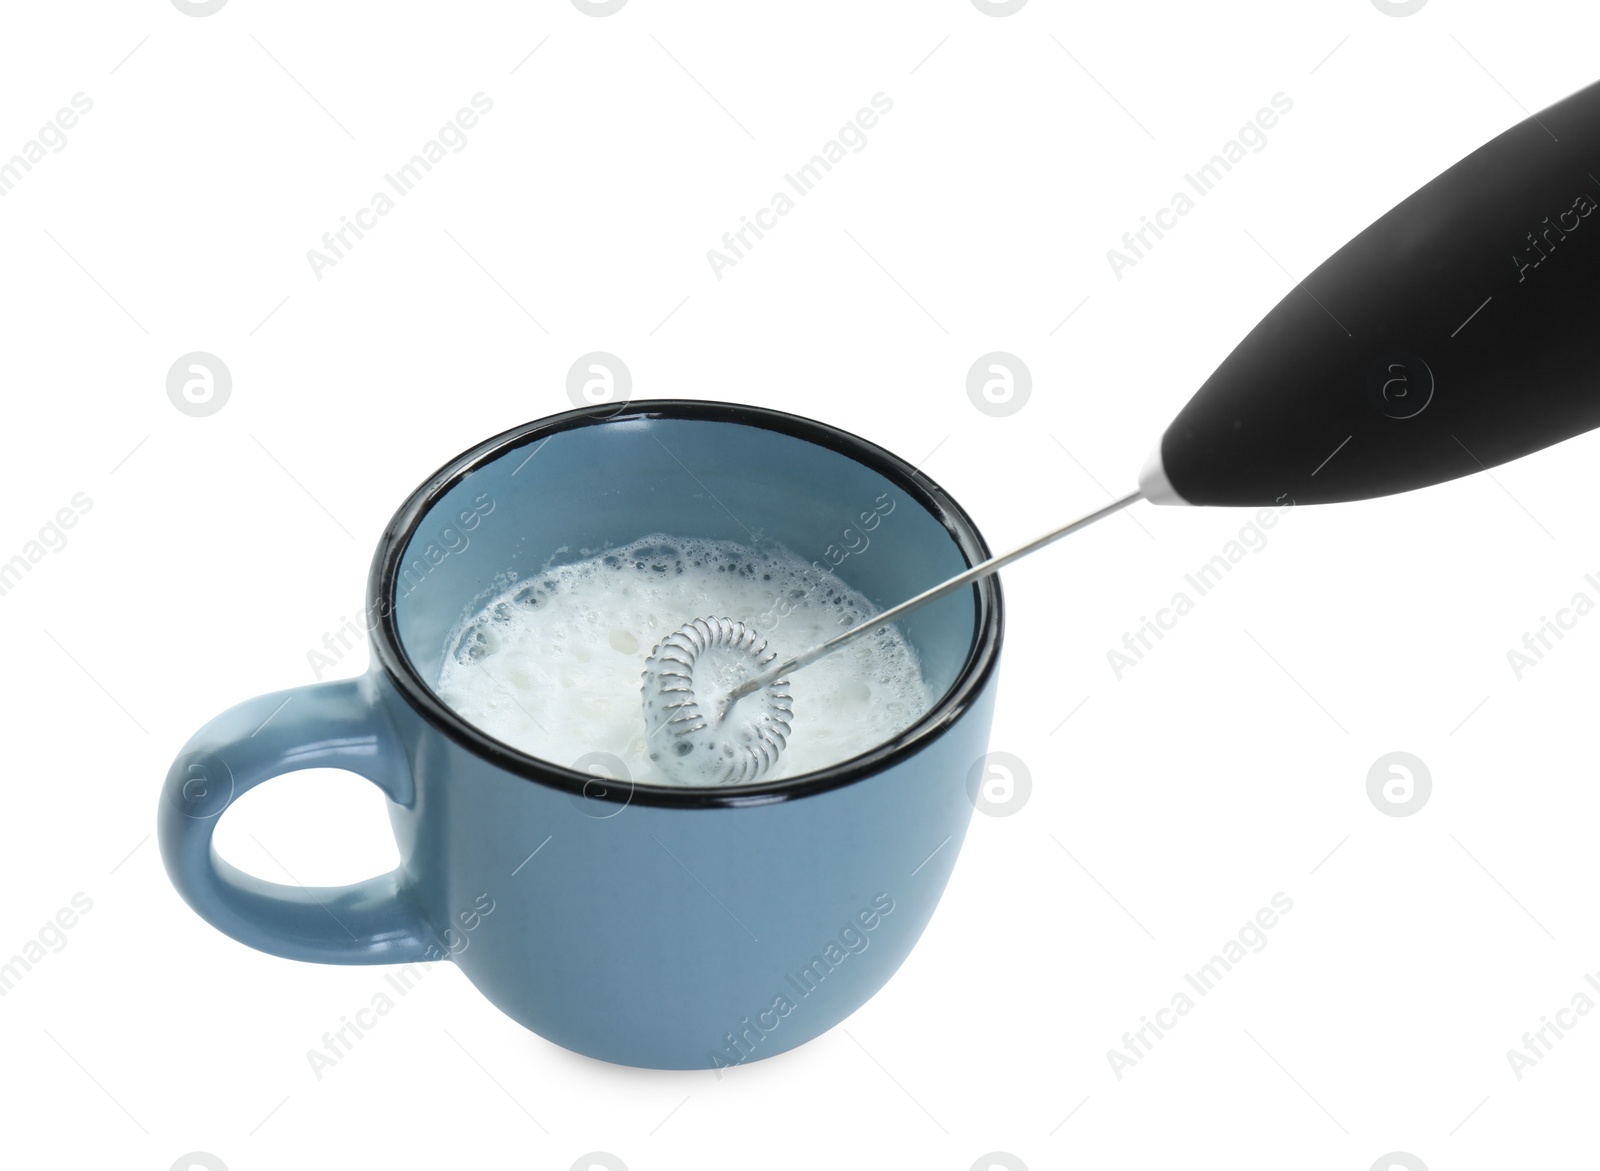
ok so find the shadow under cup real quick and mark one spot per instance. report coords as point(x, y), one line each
point(650, 925)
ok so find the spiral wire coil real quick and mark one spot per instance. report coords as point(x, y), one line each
point(701, 742)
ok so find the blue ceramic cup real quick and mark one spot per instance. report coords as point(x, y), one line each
point(657, 926)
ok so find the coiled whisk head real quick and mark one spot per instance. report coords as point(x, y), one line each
point(692, 733)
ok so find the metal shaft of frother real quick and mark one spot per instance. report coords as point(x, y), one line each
point(982, 569)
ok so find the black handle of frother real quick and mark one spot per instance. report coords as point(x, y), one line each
point(1458, 331)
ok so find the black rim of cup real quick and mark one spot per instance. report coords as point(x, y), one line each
point(982, 655)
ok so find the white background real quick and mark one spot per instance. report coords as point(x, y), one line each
point(1230, 765)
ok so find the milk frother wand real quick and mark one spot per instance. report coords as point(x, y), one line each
point(1455, 333)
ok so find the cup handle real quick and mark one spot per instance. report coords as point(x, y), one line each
point(334, 724)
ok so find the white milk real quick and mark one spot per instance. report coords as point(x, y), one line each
point(552, 666)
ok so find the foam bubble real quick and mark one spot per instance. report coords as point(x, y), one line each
point(552, 665)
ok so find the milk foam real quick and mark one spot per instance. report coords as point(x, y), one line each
point(552, 665)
